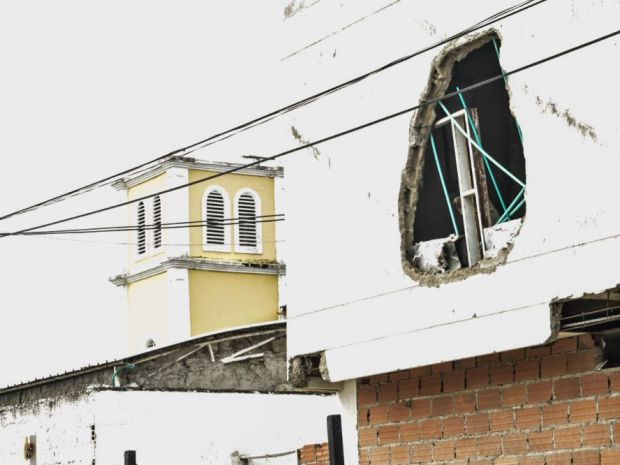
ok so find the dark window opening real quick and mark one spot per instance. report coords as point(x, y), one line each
point(471, 195)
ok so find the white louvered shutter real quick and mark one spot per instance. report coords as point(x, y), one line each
point(247, 220)
point(215, 217)
point(157, 222)
point(141, 229)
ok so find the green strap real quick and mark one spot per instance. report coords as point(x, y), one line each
point(443, 185)
point(511, 208)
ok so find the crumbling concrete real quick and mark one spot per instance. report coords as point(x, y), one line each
point(411, 180)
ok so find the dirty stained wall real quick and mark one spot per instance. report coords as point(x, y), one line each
point(352, 256)
point(164, 427)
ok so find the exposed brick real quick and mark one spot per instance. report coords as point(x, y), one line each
point(596, 435)
point(388, 392)
point(502, 420)
point(364, 457)
point(488, 359)
point(564, 345)
point(512, 355)
point(388, 434)
point(445, 367)
point(540, 441)
point(380, 455)
point(490, 446)
point(502, 374)
point(398, 375)
point(528, 418)
point(568, 438)
point(610, 456)
point(586, 341)
point(489, 399)
point(453, 426)
point(408, 388)
point(583, 361)
point(368, 437)
point(513, 395)
point(376, 379)
point(532, 460)
point(308, 453)
point(464, 363)
point(444, 450)
point(537, 352)
point(527, 370)
point(560, 458)
point(400, 412)
point(418, 372)
point(614, 381)
point(480, 462)
point(554, 365)
point(515, 443)
point(566, 388)
point(454, 381)
point(594, 384)
point(507, 460)
point(422, 452)
point(555, 414)
point(379, 414)
point(477, 377)
point(367, 394)
point(430, 385)
point(609, 407)
point(539, 392)
point(477, 423)
point(431, 429)
point(465, 448)
point(583, 411)
point(465, 403)
point(420, 408)
point(363, 416)
point(586, 457)
point(442, 406)
point(400, 455)
point(410, 432)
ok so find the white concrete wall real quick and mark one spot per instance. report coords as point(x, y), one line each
point(166, 427)
point(62, 428)
point(345, 279)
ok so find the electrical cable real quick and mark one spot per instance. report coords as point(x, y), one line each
point(328, 138)
point(503, 14)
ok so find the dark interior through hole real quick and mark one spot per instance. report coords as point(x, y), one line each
point(500, 138)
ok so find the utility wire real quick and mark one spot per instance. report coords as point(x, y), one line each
point(328, 138)
point(503, 14)
point(169, 244)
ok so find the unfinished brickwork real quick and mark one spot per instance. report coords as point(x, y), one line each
point(544, 405)
point(314, 454)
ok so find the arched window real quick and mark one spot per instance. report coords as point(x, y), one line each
point(156, 222)
point(216, 217)
point(141, 229)
point(248, 233)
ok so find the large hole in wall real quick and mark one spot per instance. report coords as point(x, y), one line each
point(462, 196)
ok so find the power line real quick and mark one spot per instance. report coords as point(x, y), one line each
point(503, 14)
point(191, 224)
point(328, 138)
point(169, 244)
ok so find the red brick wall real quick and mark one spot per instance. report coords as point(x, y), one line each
point(314, 454)
point(538, 406)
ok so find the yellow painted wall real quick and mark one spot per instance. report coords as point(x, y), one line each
point(147, 311)
point(232, 183)
point(151, 258)
point(224, 299)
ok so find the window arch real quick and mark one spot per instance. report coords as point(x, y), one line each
point(156, 222)
point(248, 234)
point(141, 229)
point(216, 213)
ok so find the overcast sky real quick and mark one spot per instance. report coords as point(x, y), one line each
point(88, 89)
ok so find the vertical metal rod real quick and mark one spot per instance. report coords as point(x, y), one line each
point(334, 440)
point(130, 457)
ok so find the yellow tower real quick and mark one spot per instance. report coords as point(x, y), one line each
point(220, 272)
